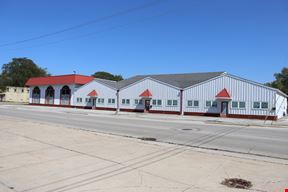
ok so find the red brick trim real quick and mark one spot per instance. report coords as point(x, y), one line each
point(105, 108)
point(202, 114)
point(52, 105)
point(133, 110)
point(73, 106)
point(261, 117)
point(165, 112)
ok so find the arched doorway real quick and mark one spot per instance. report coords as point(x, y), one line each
point(36, 95)
point(65, 95)
point(49, 95)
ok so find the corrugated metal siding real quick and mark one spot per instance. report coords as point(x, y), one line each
point(102, 91)
point(158, 90)
point(281, 106)
point(238, 89)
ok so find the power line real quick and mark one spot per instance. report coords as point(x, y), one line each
point(95, 32)
point(151, 4)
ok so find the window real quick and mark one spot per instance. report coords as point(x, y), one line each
point(15, 90)
point(193, 103)
point(238, 104)
point(211, 104)
point(157, 102)
point(136, 101)
point(242, 104)
point(260, 105)
point(88, 100)
point(234, 104)
point(111, 101)
point(126, 101)
point(256, 105)
point(208, 103)
point(100, 100)
point(22, 90)
point(264, 105)
point(172, 102)
point(79, 100)
point(175, 102)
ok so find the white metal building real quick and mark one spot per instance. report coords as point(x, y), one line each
point(213, 94)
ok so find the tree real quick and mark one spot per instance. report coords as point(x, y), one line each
point(108, 76)
point(18, 71)
point(281, 80)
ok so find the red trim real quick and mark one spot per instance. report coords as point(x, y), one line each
point(165, 112)
point(59, 80)
point(146, 93)
point(261, 117)
point(105, 108)
point(223, 94)
point(73, 106)
point(133, 110)
point(93, 94)
point(202, 114)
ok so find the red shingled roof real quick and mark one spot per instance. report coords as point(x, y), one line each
point(59, 80)
point(146, 93)
point(93, 94)
point(223, 94)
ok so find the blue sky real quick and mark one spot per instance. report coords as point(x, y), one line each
point(248, 38)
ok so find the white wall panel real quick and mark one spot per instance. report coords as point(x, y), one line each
point(103, 91)
point(158, 90)
point(239, 90)
point(281, 106)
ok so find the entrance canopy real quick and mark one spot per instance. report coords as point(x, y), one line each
point(146, 94)
point(93, 94)
point(223, 94)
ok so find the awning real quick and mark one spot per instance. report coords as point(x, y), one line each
point(146, 93)
point(93, 94)
point(223, 94)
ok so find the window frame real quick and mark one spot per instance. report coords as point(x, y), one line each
point(192, 104)
point(265, 103)
point(253, 106)
point(111, 101)
point(237, 105)
point(156, 104)
point(126, 102)
point(101, 101)
point(206, 102)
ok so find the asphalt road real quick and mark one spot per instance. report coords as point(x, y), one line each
point(270, 142)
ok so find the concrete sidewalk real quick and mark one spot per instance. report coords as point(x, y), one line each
point(281, 123)
point(37, 157)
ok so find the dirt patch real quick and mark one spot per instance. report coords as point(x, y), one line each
point(237, 183)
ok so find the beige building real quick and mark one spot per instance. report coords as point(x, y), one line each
point(15, 94)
